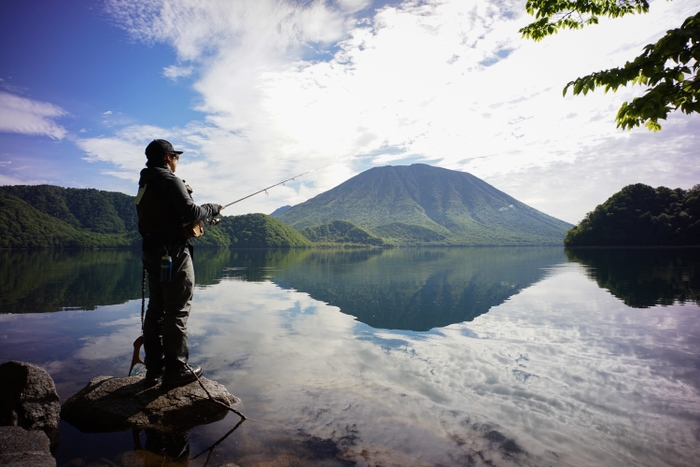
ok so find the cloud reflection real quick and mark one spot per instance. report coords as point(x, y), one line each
point(562, 370)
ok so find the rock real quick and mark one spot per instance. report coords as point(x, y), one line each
point(28, 399)
point(22, 448)
point(114, 404)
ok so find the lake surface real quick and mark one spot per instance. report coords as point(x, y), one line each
point(404, 357)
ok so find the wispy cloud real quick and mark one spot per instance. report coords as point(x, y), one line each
point(30, 117)
point(174, 72)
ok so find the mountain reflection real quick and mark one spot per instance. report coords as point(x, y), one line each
point(54, 280)
point(417, 289)
point(642, 278)
point(408, 289)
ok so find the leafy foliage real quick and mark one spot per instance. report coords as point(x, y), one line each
point(641, 215)
point(424, 205)
point(553, 15)
point(669, 67)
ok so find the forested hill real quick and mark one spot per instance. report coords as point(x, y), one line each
point(639, 215)
point(46, 216)
point(425, 205)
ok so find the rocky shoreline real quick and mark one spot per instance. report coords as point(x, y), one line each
point(30, 410)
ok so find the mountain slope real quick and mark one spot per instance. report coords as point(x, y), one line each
point(340, 232)
point(420, 204)
point(82, 208)
point(24, 226)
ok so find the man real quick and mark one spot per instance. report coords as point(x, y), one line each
point(164, 207)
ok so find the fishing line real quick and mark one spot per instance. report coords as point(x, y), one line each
point(264, 190)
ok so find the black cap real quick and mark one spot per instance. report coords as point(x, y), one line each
point(158, 148)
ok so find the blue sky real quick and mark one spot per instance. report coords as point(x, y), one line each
point(256, 91)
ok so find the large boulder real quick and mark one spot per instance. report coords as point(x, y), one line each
point(109, 404)
point(22, 448)
point(28, 399)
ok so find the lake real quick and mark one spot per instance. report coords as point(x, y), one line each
point(400, 357)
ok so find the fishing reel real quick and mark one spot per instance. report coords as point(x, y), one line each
point(214, 221)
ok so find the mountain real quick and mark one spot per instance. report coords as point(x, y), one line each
point(424, 205)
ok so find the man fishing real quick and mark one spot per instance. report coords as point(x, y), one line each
point(168, 218)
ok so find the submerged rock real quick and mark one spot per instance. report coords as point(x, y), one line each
point(22, 448)
point(114, 404)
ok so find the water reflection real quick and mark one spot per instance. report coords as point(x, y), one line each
point(158, 449)
point(417, 289)
point(558, 372)
point(642, 278)
point(409, 289)
point(44, 281)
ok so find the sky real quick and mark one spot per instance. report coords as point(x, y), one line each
point(258, 91)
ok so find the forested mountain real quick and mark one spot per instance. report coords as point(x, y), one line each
point(424, 205)
point(639, 215)
point(54, 217)
point(82, 208)
point(47, 216)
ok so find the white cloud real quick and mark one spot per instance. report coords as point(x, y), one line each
point(124, 150)
point(30, 117)
point(289, 86)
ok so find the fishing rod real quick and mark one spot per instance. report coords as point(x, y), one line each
point(272, 186)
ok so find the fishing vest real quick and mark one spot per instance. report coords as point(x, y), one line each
point(159, 222)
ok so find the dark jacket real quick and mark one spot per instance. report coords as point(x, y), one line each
point(165, 207)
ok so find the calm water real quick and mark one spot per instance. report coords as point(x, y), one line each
point(410, 357)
